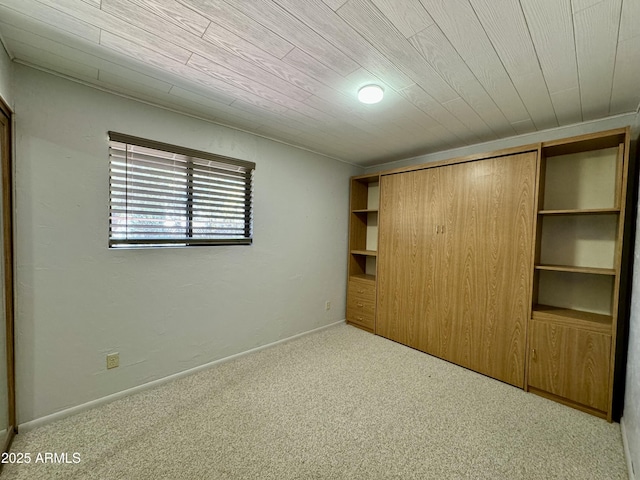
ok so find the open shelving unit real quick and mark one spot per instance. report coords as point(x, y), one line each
point(577, 269)
point(363, 246)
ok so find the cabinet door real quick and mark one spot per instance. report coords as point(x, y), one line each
point(570, 363)
point(406, 257)
point(486, 264)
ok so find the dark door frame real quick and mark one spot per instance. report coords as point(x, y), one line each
point(6, 170)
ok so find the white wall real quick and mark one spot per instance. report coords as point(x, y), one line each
point(163, 310)
point(5, 76)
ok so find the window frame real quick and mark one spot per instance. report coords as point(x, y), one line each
point(235, 166)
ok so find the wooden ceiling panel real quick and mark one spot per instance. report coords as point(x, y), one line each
point(369, 22)
point(177, 14)
point(626, 77)
point(504, 22)
point(409, 17)
point(455, 72)
point(280, 21)
point(51, 16)
point(629, 20)
point(332, 27)
point(230, 19)
point(551, 27)
point(462, 28)
point(596, 34)
point(437, 50)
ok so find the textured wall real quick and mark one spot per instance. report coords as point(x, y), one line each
point(163, 310)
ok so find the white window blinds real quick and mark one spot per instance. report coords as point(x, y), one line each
point(166, 195)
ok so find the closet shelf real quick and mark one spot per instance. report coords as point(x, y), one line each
point(365, 210)
point(581, 211)
point(368, 253)
point(573, 269)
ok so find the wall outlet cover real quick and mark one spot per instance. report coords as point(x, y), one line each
point(113, 360)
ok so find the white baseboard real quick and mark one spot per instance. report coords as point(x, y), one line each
point(38, 422)
point(627, 452)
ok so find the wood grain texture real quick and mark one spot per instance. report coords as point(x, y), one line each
point(570, 363)
point(551, 28)
point(425, 102)
point(361, 302)
point(110, 23)
point(505, 25)
point(492, 245)
point(50, 16)
point(596, 36)
point(373, 26)
point(436, 49)
point(456, 72)
point(283, 23)
point(409, 17)
point(240, 25)
point(177, 14)
point(334, 4)
point(573, 318)
point(454, 262)
point(406, 269)
point(336, 31)
point(624, 96)
point(198, 75)
point(461, 26)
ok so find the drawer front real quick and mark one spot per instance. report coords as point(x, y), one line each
point(361, 303)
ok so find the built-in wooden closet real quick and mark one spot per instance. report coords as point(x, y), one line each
point(454, 262)
point(507, 263)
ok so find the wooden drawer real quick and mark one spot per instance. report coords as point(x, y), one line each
point(361, 303)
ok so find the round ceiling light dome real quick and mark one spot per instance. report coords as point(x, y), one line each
point(370, 94)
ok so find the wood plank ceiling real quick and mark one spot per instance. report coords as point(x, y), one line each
point(455, 72)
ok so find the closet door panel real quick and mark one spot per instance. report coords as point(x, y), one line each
point(494, 235)
point(452, 340)
point(405, 260)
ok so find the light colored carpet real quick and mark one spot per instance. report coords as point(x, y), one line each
point(337, 404)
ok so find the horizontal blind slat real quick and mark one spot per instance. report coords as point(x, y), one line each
point(176, 196)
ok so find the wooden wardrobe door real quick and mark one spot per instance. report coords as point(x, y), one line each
point(406, 270)
point(491, 236)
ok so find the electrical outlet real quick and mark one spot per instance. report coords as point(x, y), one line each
point(113, 360)
point(327, 305)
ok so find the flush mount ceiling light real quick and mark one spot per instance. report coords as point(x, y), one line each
point(370, 94)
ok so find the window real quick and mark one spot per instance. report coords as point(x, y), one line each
point(166, 195)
